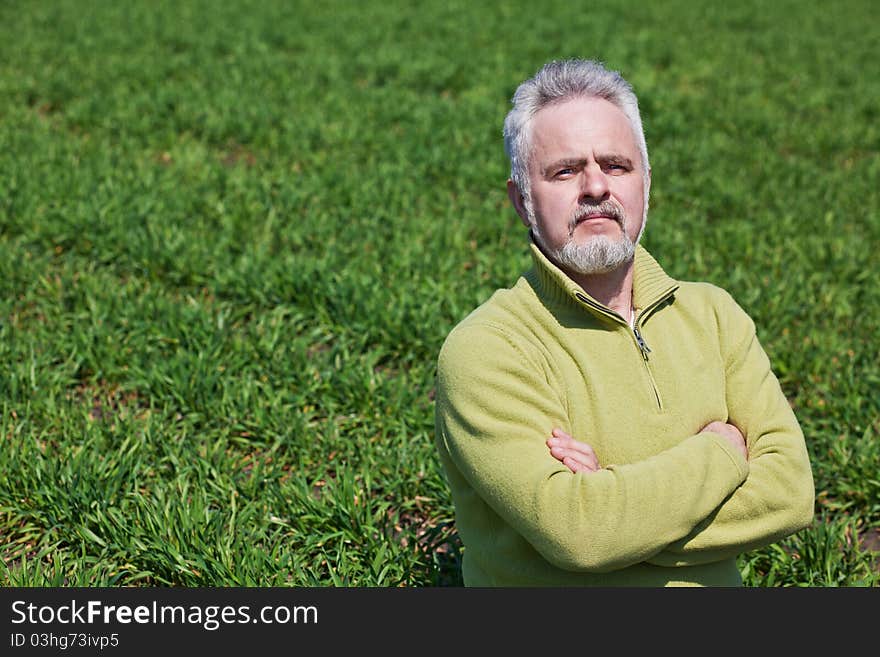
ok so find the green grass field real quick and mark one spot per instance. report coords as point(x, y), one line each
point(233, 236)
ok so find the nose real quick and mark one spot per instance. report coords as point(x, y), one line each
point(595, 183)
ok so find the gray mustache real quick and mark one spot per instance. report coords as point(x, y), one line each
point(605, 207)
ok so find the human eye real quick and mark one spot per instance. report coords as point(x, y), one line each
point(617, 167)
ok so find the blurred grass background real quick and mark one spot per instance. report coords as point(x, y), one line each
point(233, 236)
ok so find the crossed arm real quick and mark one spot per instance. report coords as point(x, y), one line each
point(494, 405)
point(775, 499)
point(578, 456)
point(697, 502)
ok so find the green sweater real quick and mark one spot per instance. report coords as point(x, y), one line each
point(670, 506)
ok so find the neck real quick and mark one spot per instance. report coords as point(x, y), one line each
point(612, 289)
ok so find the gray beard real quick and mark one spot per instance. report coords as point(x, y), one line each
point(599, 255)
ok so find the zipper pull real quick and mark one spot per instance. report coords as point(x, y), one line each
point(642, 344)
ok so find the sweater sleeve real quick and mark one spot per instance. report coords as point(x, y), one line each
point(495, 408)
point(777, 498)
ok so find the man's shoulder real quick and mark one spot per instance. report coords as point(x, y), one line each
point(502, 318)
point(703, 290)
point(505, 307)
point(711, 303)
point(706, 294)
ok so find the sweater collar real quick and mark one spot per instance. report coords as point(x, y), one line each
point(650, 283)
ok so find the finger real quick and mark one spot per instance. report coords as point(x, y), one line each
point(560, 437)
point(587, 460)
point(584, 457)
point(566, 441)
point(577, 466)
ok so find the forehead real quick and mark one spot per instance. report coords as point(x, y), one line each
point(582, 127)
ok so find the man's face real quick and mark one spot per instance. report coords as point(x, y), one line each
point(588, 184)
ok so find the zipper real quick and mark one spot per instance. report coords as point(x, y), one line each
point(644, 349)
point(643, 346)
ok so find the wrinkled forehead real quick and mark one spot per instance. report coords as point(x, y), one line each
point(581, 127)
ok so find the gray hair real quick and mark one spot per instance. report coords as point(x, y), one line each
point(558, 81)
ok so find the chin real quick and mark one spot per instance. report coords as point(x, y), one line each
point(598, 255)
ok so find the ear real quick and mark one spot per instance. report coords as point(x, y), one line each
point(518, 202)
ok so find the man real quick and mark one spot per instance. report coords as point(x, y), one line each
point(599, 422)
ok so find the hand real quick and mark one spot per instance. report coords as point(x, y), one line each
point(575, 455)
point(731, 433)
